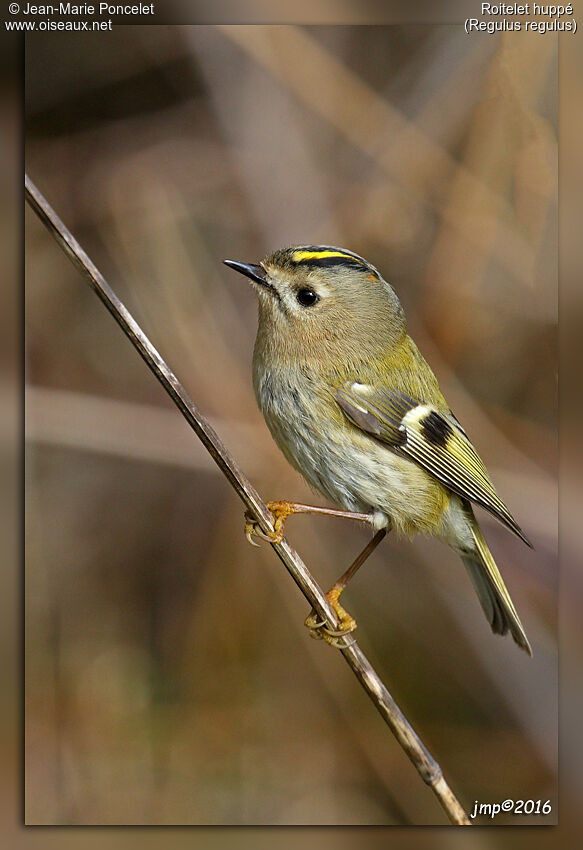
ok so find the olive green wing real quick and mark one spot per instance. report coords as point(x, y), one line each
point(434, 440)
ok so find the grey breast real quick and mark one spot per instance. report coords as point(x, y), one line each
point(311, 443)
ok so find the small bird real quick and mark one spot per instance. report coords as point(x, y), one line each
point(358, 412)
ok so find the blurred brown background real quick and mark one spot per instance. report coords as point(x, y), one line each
point(169, 678)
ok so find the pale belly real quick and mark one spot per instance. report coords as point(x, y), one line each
point(353, 470)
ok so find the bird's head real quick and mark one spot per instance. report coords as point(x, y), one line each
point(323, 302)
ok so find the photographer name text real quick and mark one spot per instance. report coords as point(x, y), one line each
point(88, 9)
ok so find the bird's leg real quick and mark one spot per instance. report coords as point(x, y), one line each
point(346, 623)
point(280, 512)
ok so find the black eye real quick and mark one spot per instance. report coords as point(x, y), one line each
point(306, 297)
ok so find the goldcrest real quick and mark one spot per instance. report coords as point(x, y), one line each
point(358, 412)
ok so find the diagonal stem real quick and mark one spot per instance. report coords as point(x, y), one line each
point(424, 762)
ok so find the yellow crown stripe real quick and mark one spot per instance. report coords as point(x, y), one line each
point(304, 256)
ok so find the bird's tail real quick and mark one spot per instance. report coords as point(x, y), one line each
point(494, 598)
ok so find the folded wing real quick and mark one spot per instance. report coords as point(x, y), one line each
point(432, 439)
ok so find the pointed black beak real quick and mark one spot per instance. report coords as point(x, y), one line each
point(256, 273)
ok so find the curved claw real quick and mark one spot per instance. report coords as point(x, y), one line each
point(280, 512)
point(319, 630)
point(312, 624)
point(252, 530)
point(333, 637)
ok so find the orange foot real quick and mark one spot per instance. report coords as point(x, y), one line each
point(346, 624)
point(280, 512)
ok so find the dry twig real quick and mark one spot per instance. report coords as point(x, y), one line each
point(425, 764)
